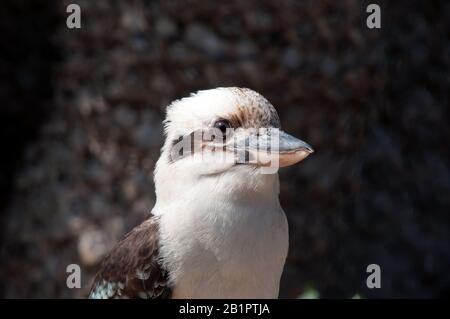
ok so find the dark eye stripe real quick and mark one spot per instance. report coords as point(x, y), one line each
point(222, 125)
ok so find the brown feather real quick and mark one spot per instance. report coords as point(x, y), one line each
point(132, 269)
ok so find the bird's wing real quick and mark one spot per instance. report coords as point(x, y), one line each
point(132, 269)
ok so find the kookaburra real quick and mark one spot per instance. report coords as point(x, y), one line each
point(217, 229)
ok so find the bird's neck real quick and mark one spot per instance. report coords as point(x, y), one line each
point(239, 183)
point(223, 235)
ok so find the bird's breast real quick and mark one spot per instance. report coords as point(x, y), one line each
point(225, 249)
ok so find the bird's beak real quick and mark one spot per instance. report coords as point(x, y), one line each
point(268, 146)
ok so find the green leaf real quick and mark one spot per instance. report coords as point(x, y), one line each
point(309, 293)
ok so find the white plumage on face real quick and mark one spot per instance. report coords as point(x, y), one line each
point(240, 114)
point(199, 110)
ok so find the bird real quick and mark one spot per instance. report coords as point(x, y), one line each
point(217, 229)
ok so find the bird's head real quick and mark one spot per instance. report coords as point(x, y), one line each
point(226, 130)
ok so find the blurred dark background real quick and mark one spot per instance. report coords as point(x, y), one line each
point(80, 130)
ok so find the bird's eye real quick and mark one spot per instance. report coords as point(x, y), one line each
point(222, 125)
